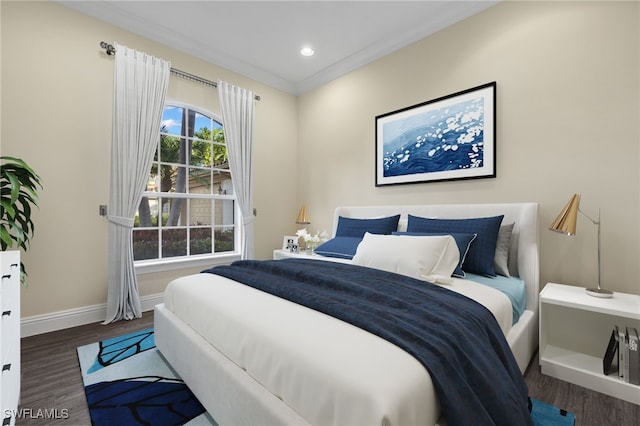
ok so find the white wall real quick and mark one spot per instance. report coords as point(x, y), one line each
point(568, 97)
point(57, 89)
point(567, 121)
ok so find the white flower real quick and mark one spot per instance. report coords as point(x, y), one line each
point(318, 238)
point(312, 239)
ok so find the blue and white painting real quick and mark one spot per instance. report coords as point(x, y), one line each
point(450, 138)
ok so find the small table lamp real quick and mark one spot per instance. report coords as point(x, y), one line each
point(303, 216)
point(565, 223)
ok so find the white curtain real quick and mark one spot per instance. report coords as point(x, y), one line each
point(238, 106)
point(140, 89)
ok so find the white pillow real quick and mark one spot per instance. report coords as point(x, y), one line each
point(428, 258)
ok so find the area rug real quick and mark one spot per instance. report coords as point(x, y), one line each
point(544, 414)
point(128, 382)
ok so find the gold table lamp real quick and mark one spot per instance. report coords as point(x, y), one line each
point(565, 223)
point(303, 216)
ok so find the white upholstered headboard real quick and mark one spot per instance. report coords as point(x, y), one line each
point(523, 253)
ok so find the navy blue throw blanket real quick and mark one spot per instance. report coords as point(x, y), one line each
point(458, 341)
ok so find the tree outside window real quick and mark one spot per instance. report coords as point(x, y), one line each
point(188, 207)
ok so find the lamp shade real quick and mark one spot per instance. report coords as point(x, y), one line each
point(303, 216)
point(565, 223)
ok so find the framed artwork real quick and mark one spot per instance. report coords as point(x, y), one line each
point(290, 243)
point(448, 138)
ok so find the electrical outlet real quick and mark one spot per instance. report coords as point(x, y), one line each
point(103, 210)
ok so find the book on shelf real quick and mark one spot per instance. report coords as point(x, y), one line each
point(626, 355)
point(623, 355)
point(620, 352)
point(610, 360)
point(634, 356)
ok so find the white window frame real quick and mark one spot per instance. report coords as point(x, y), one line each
point(147, 266)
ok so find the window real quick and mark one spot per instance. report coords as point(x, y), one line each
point(188, 208)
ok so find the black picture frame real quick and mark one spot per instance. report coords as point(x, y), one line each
point(449, 138)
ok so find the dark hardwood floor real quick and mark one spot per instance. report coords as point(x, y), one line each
point(52, 384)
point(51, 377)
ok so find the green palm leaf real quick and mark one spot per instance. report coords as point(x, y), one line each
point(19, 185)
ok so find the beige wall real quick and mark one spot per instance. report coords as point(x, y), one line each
point(568, 96)
point(57, 89)
point(567, 121)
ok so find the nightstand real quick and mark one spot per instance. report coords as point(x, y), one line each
point(284, 254)
point(574, 333)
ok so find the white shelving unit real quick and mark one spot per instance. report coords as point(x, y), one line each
point(574, 333)
point(9, 335)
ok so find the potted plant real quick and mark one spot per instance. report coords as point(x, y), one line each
point(19, 186)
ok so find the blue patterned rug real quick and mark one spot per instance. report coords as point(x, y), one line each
point(544, 414)
point(128, 382)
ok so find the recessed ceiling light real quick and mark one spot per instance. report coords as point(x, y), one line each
point(306, 51)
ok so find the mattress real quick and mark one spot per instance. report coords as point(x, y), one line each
point(327, 371)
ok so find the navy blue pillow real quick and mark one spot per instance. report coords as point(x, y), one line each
point(350, 227)
point(480, 256)
point(341, 247)
point(463, 241)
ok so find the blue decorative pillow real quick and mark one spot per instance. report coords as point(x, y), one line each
point(463, 241)
point(350, 227)
point(480, 256)
point(341, 247)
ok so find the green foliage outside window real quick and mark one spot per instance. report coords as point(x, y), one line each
point(191, 164)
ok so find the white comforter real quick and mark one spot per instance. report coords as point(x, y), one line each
point(326, 370)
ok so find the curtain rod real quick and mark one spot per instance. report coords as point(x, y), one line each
point(110, 50)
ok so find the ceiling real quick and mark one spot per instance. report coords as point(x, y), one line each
point(262, 39)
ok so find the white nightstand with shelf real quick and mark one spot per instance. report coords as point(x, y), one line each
point(284, 254)
point(574, 333)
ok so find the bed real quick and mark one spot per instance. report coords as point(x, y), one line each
point(240, 352)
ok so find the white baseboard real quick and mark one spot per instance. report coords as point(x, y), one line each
point(39, 324)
